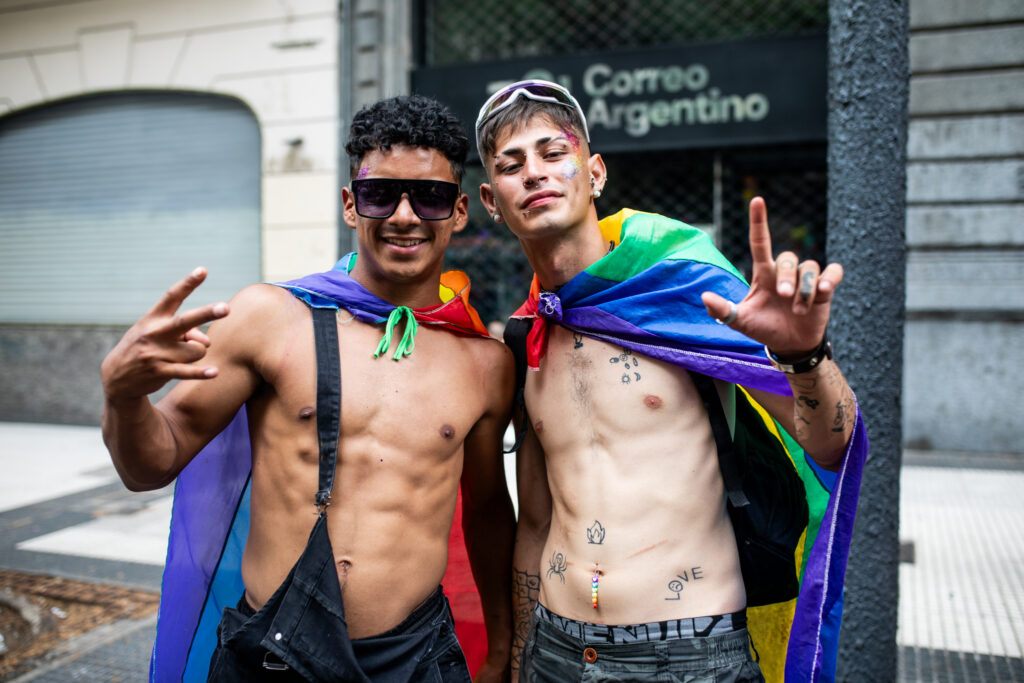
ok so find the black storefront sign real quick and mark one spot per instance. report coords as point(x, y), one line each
point(722, 94)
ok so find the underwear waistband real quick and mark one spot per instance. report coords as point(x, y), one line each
point(673, 629)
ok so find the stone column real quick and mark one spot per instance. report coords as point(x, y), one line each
point(868, 93)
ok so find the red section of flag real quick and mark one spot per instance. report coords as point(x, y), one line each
point(462, 594)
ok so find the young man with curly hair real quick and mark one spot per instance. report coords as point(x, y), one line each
point(371, 391)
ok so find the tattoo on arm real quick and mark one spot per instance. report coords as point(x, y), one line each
point(557, 566)
point(809, 402)
point(681, 581)
point(526, 589)
point(845, 412)
point(595, 534)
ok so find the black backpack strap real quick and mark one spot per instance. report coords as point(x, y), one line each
point(328, 399)
point(516, 331)
point(727, 462)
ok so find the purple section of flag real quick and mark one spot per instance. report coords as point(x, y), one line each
point(206, 497)
point(822, 585)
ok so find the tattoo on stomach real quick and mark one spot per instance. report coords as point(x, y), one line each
point(682, 581)
point(557, 566)
point(595, 534)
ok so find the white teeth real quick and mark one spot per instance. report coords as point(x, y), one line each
point(404, 243)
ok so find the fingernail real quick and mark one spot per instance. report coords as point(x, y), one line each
point(786, 289)
point(220, 309)
point(210, 372)
point(197, 272)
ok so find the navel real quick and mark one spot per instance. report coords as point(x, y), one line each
point(447, 431)
point(652, 401)
point(307, 413)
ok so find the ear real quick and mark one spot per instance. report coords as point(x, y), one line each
point(348, 201)
point(597, 171)
point(487, 199)
point(461, 213)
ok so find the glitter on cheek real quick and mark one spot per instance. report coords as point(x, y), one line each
point(363, 172)
point(571, 168)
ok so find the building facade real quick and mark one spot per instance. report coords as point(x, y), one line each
point(262, 92)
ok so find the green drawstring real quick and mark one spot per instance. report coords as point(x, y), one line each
point(408, 342)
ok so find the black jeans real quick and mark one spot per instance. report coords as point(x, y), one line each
point(559, 650)
point(300, 634)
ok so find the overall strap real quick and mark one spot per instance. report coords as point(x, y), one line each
point(328, 399)
point(727, 463)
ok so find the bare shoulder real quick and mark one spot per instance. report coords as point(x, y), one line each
point(258, 314)
point(490, 355)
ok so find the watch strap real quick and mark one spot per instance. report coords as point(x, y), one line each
point(805, 364)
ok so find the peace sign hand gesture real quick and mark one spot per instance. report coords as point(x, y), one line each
point(162, 345)
point(788, 305)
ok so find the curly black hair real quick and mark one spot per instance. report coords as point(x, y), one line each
point(412, 120)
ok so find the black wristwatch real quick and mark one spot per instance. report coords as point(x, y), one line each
point(805, 364)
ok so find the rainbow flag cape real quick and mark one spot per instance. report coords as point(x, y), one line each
point(210, 514)
point(644, 295)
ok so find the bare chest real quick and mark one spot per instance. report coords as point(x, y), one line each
point(588, 390)
point(424, 402)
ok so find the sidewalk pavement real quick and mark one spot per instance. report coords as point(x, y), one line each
point(961, 608)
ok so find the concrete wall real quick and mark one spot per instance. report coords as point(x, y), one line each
point(281, 59)
point(965, 226)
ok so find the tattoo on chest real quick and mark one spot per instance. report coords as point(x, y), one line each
point(683, 580)
point(577, 339)
point(595, 534)
point(557, 566)
point(627, 363)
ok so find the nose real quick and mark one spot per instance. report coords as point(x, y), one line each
point(403, 212)
point(533, 170)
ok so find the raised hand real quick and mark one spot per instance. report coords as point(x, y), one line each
point(162, 345)
point(788, 305)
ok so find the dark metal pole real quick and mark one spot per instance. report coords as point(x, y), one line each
point(868, 92)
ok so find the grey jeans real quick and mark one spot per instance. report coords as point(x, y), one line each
point(555, 652)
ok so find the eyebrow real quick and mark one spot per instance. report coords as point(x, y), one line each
point(513, 151)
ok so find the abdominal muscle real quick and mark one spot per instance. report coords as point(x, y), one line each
point(638, 500)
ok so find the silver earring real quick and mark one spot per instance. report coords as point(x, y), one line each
point(596, 193)
point(497, 217)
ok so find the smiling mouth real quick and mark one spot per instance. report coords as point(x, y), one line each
point(537, 202)
point(409, 242)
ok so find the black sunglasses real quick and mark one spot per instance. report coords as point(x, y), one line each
point(431, 200)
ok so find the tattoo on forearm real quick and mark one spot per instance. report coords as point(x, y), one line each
point(629, 364)
point(845, 412)
point(557, 566)
point(683, 580)
point(595, 534)
point(809, 402)
point(526, 589)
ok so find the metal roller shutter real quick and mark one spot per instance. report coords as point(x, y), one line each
point(106, 200)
